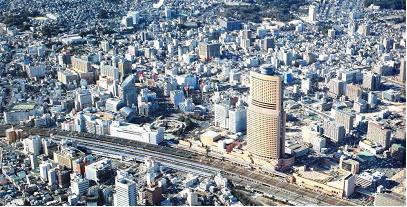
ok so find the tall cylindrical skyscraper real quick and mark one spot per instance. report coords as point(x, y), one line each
point(265, 116)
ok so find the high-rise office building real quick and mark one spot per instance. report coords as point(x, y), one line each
point(245, 34)
point(333, 130)
point(83, 98)
point(364, 29)
point(99, 171)
point(336, 87)
point(230, 24)
point(238, 118)
point(387, 43)
point(79, 185)
point(208, 51)
point(109, 71)
point(33, 161)
point(371, 81)
point(64, 178)
point(52, 177)
point(232, 118)
point(306, 86)
point(12, 135)
point(32, 145)
point(105, 46)
point(80, 65)
point(353, 91)
point(124, 68)
point(128, 91)
point(265, 116)
point(170, 84)
point(44, 168)
point(372, 99)
point(153, 196)
point(402, 74)
point(126, 192)
point(177, 97)
point(344, 118)
point(267, 43)
point(67, 76)
point(378, 134)
point(192, 198)
point(222, 115)
point(312, 13)
point(351, 27)
point(64, 58)
point(351, 76)
point(245, 43)
point(331, 33)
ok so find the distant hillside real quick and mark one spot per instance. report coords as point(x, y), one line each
point(276, 9)
point(387, 4)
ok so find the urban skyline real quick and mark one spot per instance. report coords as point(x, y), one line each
point(202, 103)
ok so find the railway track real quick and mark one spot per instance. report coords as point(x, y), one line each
point(168, 159)
point(192, 160)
